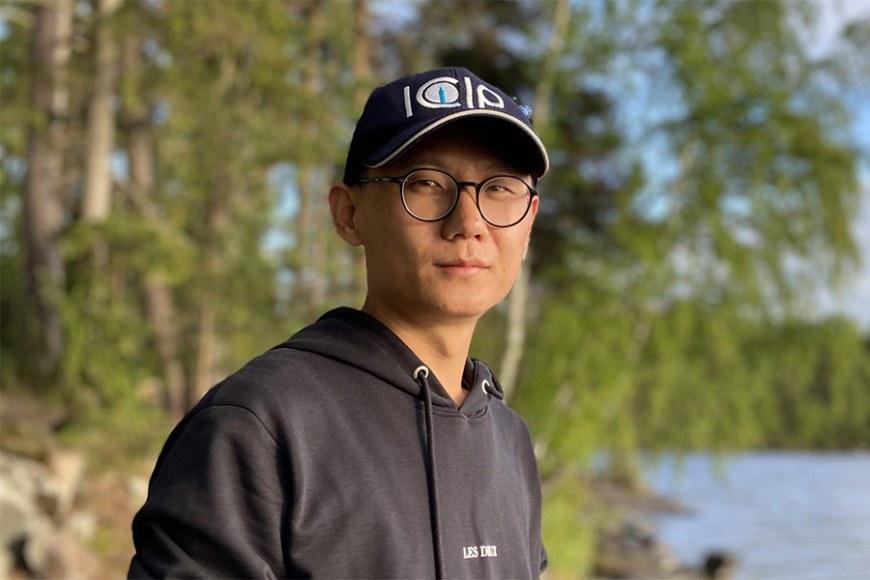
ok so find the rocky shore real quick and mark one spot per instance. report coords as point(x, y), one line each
point(59, 517)
point(627, 545)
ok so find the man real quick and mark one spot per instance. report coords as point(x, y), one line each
point(368, 445)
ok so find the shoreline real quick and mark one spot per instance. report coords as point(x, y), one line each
point(628, 545)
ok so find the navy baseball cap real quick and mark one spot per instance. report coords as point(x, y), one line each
point(400, 113)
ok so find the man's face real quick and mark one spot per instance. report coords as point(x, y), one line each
point(453, 269)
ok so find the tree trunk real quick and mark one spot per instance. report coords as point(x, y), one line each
point(362, 71)
point(43, 213)
point(304, 227)
point(516, 332)
point(96, 201)
point(311, 249)
point(362, 58)
point(519, 296)
point(204, 365)
point(161, 318)
point(159, 305)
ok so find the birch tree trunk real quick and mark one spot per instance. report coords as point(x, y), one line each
point(43, 213)
point(519, 297)
point(96, 201)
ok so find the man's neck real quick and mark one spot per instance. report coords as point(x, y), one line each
point(443, 346)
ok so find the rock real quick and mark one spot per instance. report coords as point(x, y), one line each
point(82, 525)
point(53, 487)
point(49, 553)
point(34, 501)
point(67, 469)
point(25, 476)
point(630, 550)
point(638, 499)
point(5, 563)
point(719, 565)
point(17, 511)
point(35, 554)
point(44, 551)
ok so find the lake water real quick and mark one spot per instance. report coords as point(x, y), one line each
point(788, 516)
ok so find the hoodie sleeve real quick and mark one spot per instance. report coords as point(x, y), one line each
point(215, 501)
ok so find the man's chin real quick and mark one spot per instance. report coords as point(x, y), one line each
point(460, 308)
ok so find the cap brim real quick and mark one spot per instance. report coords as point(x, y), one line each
point(538, 170)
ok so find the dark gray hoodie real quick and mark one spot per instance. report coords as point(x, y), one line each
point(334, 455)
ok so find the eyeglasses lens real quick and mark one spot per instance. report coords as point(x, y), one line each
point(430, 195)
point(504, 200)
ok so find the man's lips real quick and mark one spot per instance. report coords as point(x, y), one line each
point(470, 265)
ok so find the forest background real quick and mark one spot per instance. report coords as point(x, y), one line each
point(164, 166)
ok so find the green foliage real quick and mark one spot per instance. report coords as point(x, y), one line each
point(568, 530)
point(121, 438)
point(691, 376)
point(107, 351)
point(19, 332)
point(765, 165)
point(816, 384)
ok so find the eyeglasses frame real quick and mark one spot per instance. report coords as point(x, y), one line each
point(459, 186)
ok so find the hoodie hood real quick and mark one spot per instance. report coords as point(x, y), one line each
point(370, 345)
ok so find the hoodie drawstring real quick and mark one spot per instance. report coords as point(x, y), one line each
point(421, 375)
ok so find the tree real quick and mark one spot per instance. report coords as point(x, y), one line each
point(96, 202)
point(517, 316)
point(138, 102)
point(43, 214)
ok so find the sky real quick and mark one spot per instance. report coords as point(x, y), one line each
point(852, 298)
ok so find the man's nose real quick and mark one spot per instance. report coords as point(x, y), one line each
point(465, 219)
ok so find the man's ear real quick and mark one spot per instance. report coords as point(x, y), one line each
point(533, 208)
point(533, 213)
point(343, 209)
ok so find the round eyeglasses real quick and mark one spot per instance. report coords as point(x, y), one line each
point(430, 195)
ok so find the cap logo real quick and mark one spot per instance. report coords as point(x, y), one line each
point(439, 93)
point(442, 92)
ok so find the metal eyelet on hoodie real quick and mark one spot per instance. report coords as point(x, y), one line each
point(421, 370)
point(485, 385)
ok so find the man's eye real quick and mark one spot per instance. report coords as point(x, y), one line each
point(505, 187)
point(501, 190)
point(425, 184)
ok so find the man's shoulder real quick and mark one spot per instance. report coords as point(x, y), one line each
point(279, 379)
point(510, 421)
